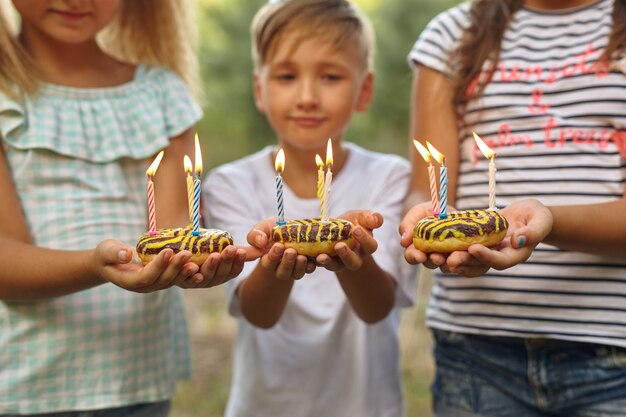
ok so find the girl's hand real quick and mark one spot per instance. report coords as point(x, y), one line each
point(120, 265)
point(284, 263)
point(413, 255)
point(218, 268)
point(529, 224)
point(365, 222)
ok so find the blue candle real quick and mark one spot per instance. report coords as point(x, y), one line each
point(443, 180)
point(196, 189)
point(280, 166)
point(443, 190)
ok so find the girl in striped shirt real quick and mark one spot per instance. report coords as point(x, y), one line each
point(538, 326)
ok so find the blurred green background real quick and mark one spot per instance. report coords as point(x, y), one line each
point(226, 67)
point(232, 128)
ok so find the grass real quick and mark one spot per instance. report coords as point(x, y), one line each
point(213, 332)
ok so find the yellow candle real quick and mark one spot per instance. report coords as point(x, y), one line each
point(320, 180)
point(327, 181)
point(188, 169)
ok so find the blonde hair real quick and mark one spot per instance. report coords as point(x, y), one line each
point(153, 32)
point(339, 21)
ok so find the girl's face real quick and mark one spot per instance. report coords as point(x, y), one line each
point(309, 89)
point(66, 21)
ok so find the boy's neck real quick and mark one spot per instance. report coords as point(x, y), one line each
point(301, 171)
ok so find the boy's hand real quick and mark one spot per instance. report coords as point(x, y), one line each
point(365, 222)
point(120, 265)
point(284, 263)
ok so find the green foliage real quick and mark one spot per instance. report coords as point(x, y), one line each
point(232, 128)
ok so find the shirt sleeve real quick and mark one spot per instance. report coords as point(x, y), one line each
point(439, 39)
point(11, 116)
point(179, 107)
point(388, 199)
point(228, 204)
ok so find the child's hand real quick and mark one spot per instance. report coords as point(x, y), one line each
point(120, 265)
point(218, 268)
point(529, 224)
point(284, 263)
point(352, 259)
point(413, 255)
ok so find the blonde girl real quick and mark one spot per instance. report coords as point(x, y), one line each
point(90, 92)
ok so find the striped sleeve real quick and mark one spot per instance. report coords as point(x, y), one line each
point(439, 38)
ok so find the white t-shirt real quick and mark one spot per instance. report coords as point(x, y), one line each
point(320, 359)
point(558, 124)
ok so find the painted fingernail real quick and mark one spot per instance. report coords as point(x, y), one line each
point(522, 241)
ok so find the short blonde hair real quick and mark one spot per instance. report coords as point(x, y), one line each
point(154, 32)
point(339, 21)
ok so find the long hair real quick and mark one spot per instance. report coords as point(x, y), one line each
point(482, 39)
point(16, 67)
point(153, 32)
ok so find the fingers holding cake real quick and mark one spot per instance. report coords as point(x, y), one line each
point(121, 266)
point(218, 268)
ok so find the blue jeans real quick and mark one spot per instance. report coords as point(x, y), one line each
point(514, 377)
point(160, 409)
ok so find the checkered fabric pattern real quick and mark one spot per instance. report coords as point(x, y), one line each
point(78, 157)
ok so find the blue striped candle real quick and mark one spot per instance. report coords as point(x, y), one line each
point(280, 166)
point(443, 190)
point(196, 206)
point(196, 189)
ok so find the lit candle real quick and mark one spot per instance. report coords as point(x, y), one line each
point(151, 206)
point(188, 169)
point(431, 175)
point(320, 179)
point(279, 164)
point(327, 181)
point(489, 154)
point(443, 180)
point(196, 189)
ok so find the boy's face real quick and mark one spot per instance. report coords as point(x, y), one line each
point(309, 88)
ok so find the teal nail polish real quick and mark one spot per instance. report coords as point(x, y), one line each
point(522, 240)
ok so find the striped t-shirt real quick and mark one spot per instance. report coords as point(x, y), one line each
point(557, 121)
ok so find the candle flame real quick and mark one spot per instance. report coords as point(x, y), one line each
point(319, 162)
point(422, 150)
point(187, 163)
point(198, 157)
point(155, 164)
point(329, 154)
point(435, 153)
point(279, 163)
point(486, 150)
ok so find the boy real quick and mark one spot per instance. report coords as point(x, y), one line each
point(328, 344)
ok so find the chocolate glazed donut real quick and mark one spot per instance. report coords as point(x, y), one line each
point(206, 242)
point(459, 231)
point(311, 237)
